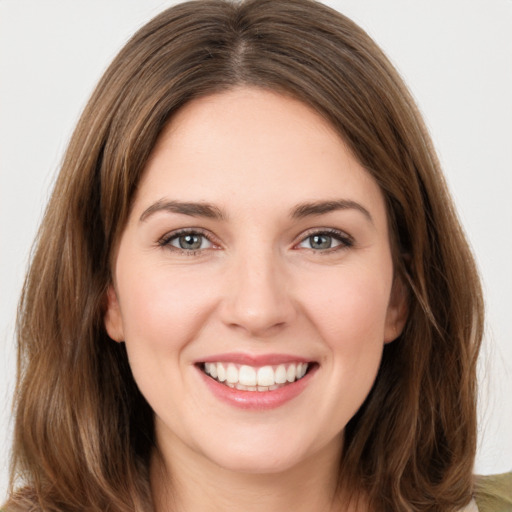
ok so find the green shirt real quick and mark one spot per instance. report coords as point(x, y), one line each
point(494, 493)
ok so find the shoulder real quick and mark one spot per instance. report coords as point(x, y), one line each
point(494, 493)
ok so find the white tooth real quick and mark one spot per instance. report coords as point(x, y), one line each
point(221, 372)
point(266, 376)
point(275, 386)
point(252, 388)
point(232, 373)
point(241, 387)
point(291, 373)
point(207, 368)
point(262, 388)
point(303, 370)
point(281, 374)
point(213, 370)
point(230, 384)
point(247, 376)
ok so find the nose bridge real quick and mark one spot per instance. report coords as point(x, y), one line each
point(257, 298)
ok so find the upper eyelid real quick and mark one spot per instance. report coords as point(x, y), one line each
point(325, 231)
point(167, 237)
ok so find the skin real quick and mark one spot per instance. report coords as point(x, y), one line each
point(258, 285)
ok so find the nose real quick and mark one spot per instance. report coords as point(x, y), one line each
point(258, 296)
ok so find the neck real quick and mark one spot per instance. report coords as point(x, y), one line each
point(188, 482)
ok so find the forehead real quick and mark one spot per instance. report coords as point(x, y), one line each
point(253, 146)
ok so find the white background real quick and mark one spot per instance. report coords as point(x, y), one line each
point(456, 56)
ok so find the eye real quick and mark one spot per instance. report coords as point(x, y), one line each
point(190, 241)
point(186, 241)
point(326, 240)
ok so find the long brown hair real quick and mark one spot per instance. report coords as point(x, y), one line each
point(84, 433)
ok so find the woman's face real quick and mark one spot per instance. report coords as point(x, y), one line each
point(257, 249)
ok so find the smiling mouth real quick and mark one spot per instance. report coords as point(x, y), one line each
point(251, 378)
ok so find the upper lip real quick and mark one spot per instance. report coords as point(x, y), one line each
point(254, 359)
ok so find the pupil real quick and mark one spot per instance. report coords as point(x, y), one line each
point(190, 241)
point(320, 242)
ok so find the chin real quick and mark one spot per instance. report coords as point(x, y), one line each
point(247, 462)
point(266, 454)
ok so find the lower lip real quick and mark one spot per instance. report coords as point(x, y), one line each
point(257, 400)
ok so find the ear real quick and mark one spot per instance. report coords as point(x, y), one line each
point(113, 319)
point(398, 310)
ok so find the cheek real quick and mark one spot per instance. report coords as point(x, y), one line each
point(349, 313)
point(351, 308)
point(162, 308)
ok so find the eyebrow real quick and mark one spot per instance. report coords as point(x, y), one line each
point(185, 208)
point(211, 211)
point(321, 207)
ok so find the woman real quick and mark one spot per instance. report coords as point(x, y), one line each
point(249, 280)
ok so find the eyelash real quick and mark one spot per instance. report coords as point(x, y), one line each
point(346, 241)
point(166, 240)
